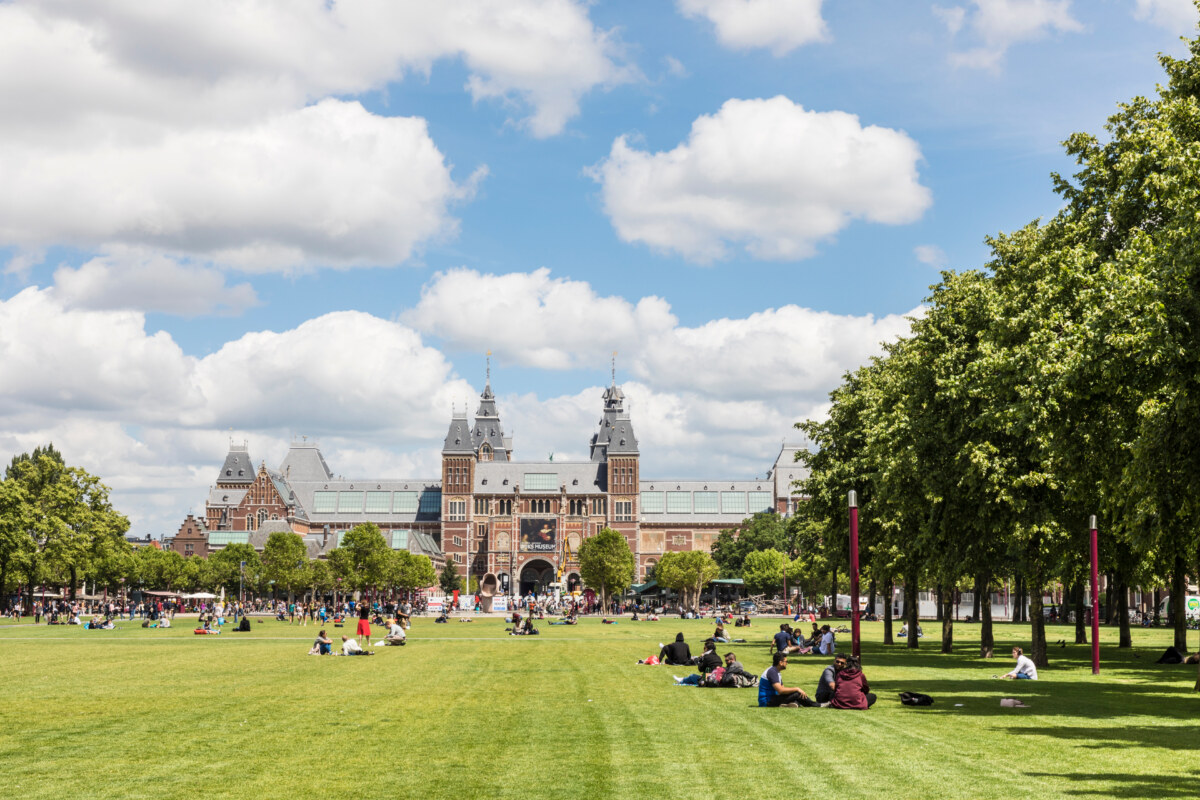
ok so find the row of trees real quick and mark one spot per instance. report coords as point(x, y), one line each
point(1060, 381)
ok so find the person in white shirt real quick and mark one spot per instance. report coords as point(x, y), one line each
point(1025, 669)
point(827, 645)
point(396, 634)
point(350, 647)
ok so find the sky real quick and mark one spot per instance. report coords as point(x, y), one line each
point(258, 221)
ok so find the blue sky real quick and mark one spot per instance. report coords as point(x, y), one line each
point(258, 222)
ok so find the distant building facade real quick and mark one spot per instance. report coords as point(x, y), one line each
point(515, 525)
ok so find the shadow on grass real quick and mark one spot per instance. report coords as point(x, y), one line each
point(1167, 737)
point(1122, 784)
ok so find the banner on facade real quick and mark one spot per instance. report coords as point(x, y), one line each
point(539, 535)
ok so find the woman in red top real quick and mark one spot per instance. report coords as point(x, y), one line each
point(850, 687)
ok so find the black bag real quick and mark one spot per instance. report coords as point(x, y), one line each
point(915, 699)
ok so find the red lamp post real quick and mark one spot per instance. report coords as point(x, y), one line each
point(853, 503)
point(1095, 596)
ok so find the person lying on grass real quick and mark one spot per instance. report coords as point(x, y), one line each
point(396, 635)
point(350, 647)
point(850, 688)
point(773, 694)
point(677, 652)
point(1025, 670)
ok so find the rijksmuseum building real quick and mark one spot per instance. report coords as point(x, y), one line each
point(512, 524)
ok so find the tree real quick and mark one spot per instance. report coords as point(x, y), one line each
point(762, 531)
point(450, 580)
point(284, 557)
point(763, 570)
point(368, 553)
point(606, 563)
point(225, 567)
point(687, 573)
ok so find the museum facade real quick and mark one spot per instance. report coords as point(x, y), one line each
point(513, 524)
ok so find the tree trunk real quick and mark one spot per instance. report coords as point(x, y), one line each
point(1123, 612)
point(833, 591)
point(938, 615)
point(1157, 615)
point(890, 589)
point(975, 603)
point(987, 641)
point(1080, 625)
point(870, 597)
point(947, 622)
point(1108, 599)
point(1178, 613)
point(4, 577)
point(1040, 656)
point(910, 608)
point(74, 578)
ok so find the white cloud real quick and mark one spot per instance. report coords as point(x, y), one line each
point(147, 281)
point(767, 175)
point(675, 67)
point(997, 25)
point(931, 254)
point(535, 320)
point(1174, 15)
point(777, 25)
point(327, 184)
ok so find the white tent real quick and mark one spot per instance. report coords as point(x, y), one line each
point(200, 596)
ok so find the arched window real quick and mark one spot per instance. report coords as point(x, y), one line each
point(262, 516)
point(485, 452)
point(250, 526)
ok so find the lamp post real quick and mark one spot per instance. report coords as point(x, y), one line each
point(1095, 595)
point(242, 583)
point(852, 499)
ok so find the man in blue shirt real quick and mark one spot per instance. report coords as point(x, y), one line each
point(771, 691)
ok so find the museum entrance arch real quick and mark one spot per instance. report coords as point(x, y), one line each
point(536, 576)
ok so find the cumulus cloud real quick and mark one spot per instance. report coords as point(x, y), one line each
point(327, 184)
point(931, 254)
point(532, 319)
point(148, 281)
point(1174, 15)
point(228, 131)
point(997, 25)
point(777, 25)
point(766, 175)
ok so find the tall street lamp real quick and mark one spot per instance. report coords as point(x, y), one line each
point(853, 503)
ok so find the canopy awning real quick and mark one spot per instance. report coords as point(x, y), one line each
point(642, 588)
point(200, 596)
point(729, 582)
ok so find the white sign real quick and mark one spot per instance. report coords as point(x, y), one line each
point(500, 603)
point(437, 604)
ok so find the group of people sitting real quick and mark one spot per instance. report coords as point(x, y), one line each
point(842, 685)
point(791, 640)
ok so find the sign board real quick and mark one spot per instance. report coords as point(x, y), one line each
point(1193, 604)
point(437, 604)
point(500, 603)
point(539, 535)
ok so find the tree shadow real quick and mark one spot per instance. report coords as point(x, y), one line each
point(1168, 737)
point(1123, 784)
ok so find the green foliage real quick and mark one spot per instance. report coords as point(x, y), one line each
point(763, 531)
point(763, 570)
point(687, 573)
point(450, 581)
point(369, 555)
point(606, 563)
point(284, 561)
point(225, 570)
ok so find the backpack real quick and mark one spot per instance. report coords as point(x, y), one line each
point(915, 699)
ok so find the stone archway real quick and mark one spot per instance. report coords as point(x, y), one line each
point(536, 576)
point(574, 582)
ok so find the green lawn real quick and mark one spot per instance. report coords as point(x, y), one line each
point(465, 711)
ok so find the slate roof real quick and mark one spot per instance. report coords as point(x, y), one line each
point(487, 428)
point(615, 436)
point(238, 466)
point(304, 462)
point(225, 497)
point(579, 477)
point(458, 437)
point(786, 470)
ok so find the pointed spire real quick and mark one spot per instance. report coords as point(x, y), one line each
point(614, 368)
point(489, 368)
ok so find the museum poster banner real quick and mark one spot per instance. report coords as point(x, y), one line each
point(539, 535)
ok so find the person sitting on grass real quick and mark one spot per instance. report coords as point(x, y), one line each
point(827, 645)
point(323, 646)
point(851, 690)
point(736, 674)
point(396, 635)
point(828, 679)
point(773, 694)
point(350, 647)
point(719, 635)
point(706, 663)
point(676, 653)
point(1025, 670)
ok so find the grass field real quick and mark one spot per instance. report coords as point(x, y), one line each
point(466, 711)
